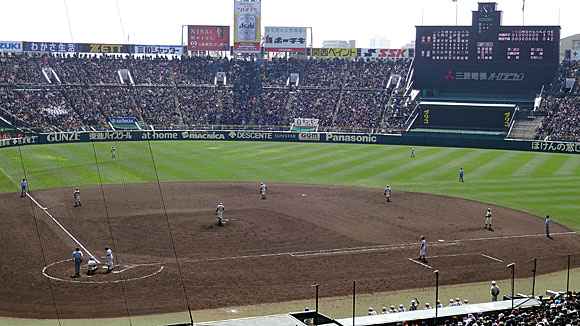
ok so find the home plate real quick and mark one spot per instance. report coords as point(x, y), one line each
point(440, 240)
point(303, 195)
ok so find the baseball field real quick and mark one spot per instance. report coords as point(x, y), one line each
point(325, 221)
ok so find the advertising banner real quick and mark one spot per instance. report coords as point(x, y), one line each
point(385, 53)
point(158, 49)
point(104, 48)
point(208, 38)
point(334, 52)
point(8, 46)
point(575, 55)
point(247, 26)
point(570, 82)
point(51, 47)
point(305, 122)
point(123, 121)
point(285, 39)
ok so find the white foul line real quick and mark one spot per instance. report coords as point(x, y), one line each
point(492, 258)
point(62, 227)
point(420, 263)
point(44, 209)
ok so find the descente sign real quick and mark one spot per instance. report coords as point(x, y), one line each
point(279, 136)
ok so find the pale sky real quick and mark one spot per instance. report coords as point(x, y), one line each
point(159, 22)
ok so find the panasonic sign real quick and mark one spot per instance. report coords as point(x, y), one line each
point(342, 138)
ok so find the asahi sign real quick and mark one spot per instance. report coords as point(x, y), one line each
point(247, 26)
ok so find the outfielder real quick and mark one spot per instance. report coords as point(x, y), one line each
point(219, 212)
point(422, 251)
point(388, 193)
point(263, 190)
point(109, 257)
point(488, 220)
point(77, 195)
point(413, 152)
point(112, 152)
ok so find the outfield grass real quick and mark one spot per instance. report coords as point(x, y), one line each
point(538, 183)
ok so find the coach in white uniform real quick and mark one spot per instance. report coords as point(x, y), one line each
point(219, 212)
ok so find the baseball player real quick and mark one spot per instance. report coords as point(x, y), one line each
point(263, 190)
point(488, 220)
point(109, 258)
point(460, 174)
point(401, 308)
point(112, 151)
point(388, 193)
point(393, 310)
point(413, 152)
point(494, 291)
point(372, 312)
point(23, 185)
point(422, 251)
point(219, 212)
point(548, 226)
point(77, 256)
point(92, 266)
point(77, 195)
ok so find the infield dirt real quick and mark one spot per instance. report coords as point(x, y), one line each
point(167, 245)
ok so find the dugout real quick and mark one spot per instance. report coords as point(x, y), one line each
point(465, 116)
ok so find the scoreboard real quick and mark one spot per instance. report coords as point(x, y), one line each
point(470, 116)
point(486, 57)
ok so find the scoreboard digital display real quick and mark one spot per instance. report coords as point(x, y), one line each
point(486, 58)
point(441, 115)
point(510, 44)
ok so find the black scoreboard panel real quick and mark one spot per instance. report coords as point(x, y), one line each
point(486, 58)
point(509, 44)
point(439, 115)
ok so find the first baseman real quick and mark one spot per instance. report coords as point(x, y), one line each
point(488, 220)
point(263, 190)
point(388, 193)
point(219, 212)
point(77, 195)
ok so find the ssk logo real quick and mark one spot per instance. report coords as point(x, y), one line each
point(384, 53)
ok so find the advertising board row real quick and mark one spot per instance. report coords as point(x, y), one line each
point(214, 38)
point(325, 137)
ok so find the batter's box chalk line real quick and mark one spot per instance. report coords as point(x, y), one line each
point(87, 280)
point(456, 255)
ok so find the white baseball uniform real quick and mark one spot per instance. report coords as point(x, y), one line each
point(422, 251)
point(110, 259)
point(488, 218)
point(219, 210)
point(263, 190)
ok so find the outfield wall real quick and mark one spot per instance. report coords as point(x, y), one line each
point(409, 138)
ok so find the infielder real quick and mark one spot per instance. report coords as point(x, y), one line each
point(388, 193)
point(23, 185)
point(92, 266)
point(413, 152)
point(219, 212)
point(112, 151)
point(263, 190)
point(77, 195)
point(109, 258)
point(488, 220)
point(548, 226)
point(77, 257)
point(422, 251)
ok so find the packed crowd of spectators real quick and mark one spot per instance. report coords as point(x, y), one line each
point(562, 120)
point(198, 105)
point(562, 109)
point(85, 91)
point(563, 310)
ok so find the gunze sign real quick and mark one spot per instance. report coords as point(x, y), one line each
point(306, 137)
